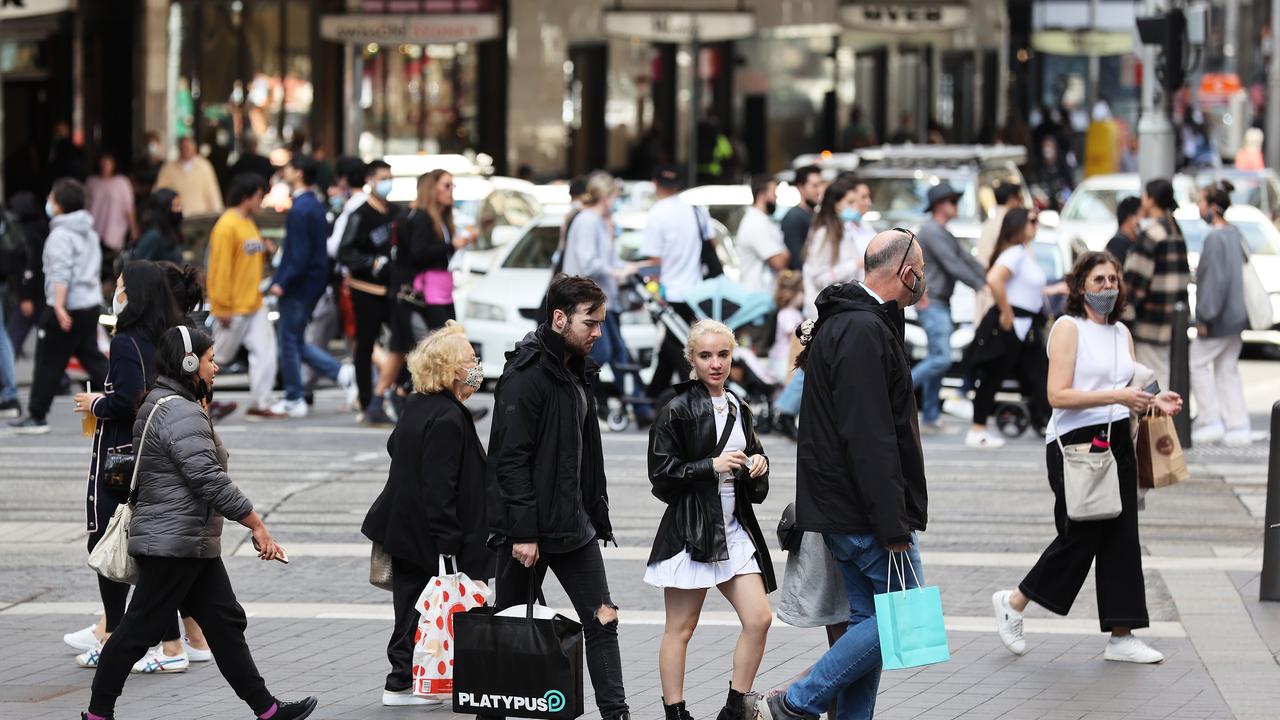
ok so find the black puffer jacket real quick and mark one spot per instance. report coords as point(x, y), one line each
point(536, 445)
point(183, 487)
point(681, 443)
point(859, 467)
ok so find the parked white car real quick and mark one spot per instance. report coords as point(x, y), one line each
point(1088, 220)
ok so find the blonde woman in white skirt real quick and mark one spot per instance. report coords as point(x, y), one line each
point(707, 465)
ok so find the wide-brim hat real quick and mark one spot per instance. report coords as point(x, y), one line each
point(938, 193)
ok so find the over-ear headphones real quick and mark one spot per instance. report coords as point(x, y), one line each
point(190, 363)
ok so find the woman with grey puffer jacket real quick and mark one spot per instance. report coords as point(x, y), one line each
point(183, 493)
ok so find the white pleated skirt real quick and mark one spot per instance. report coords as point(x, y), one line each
point(683, 572)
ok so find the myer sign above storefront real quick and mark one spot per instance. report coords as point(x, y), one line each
point(409, 29)
point(10, 9)
point(903, 17)
point(678, 27)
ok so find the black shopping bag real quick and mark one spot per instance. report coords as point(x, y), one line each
point(517, 666)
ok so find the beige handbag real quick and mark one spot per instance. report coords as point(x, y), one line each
point(110, 558)
point(1090, 480)
point(380, 568)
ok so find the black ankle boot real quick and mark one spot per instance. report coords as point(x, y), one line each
point(677, 711)
point(740, 706)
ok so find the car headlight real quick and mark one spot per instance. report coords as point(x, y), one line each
point(485, 311)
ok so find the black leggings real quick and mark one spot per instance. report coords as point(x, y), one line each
point(115, 595)
point(164, 584)
point(1025, 360)
point(1111, 546)
point(372, 312)
point(407, 583)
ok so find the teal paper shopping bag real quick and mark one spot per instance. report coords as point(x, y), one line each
point(912, 632)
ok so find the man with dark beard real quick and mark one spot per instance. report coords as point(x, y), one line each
point(545, 515)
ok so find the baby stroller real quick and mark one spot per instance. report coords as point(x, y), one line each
point(721, 299)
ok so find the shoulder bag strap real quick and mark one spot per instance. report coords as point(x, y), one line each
point(142, 441)
point(728, 429)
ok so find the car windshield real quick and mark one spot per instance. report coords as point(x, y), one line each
point(1260, 236)
point(1096, 205)
point(902, 199)
point(534, 250)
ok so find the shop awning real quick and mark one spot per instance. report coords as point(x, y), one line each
point(410, 29)
point(10, 9)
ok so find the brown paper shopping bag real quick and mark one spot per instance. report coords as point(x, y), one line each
point(1160, 458)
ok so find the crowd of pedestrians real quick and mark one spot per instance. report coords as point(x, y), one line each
point(537, 499)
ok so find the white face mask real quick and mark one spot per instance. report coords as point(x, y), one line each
point(118, 305)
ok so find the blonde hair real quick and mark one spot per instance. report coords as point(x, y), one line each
point(427, 202)
point(706, 327)
point(599, 186)
point(435, 360)
point(790, 284)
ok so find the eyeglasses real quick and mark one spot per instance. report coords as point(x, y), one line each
point(905, 255)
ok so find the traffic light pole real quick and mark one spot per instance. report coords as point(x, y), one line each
point(1157, 149)
point(1273, 91)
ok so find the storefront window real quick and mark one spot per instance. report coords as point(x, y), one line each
point(416, 99)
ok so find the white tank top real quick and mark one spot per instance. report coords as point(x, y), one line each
point(1103, 362)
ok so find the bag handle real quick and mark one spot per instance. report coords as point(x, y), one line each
point(902, 580)
point(142, 442)
point(728, 429)
point(445, 561)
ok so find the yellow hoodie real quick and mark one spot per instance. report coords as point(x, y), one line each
point(237, 255)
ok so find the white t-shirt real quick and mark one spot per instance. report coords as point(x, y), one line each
point(1103, 362)
point(759, 239)
point(1026, 288)
point(675, 232)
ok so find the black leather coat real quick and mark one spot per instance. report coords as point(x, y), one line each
point(681, 443)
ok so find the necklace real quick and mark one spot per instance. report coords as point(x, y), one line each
point(721, 407)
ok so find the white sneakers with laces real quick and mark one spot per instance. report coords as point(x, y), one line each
point(1130, 649)
point(82, 640)
point(89, 658)
point(156, 662)
point(1008, 623)
point(292, 408)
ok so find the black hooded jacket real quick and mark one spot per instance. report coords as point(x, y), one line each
point(681, 443)
point(859, 466)
point(545, 468)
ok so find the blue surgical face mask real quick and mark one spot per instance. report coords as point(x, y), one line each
point(615, 206)
point(383, 188)
point(850, 215)
point(48, 208)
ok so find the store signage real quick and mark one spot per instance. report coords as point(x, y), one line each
point(679, 27)
point(409, 29)
point(904, 18)
point(25, 8)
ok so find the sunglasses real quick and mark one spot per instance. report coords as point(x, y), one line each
point(906, 254)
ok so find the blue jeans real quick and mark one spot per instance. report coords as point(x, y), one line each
point(927, 374)
point(8, 375)
point(849, 672)
point(789, 401)
point(295, 313)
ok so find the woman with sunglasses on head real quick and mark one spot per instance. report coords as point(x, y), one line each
point(183, 493)
point(1092, 373)
point(707, 465)
point(1009, 340)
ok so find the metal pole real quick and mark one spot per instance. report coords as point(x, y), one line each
point(1269, 586)
point(1095, 62)
point(1156, 149)
point(695, 101)
point(1180, 369)
point(1273, 91)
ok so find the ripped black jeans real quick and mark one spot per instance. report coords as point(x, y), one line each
point(581, 574)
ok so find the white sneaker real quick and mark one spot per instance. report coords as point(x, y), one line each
point(292, 408)
point(1008, 623)
point(195, 654)
point(89, 658)
point(1206, 434)
point(156, 662)
point(82, 640)
point(1239, 437)
point(982, 439)
point(1131, 649)
point(347, 381)
point(405, 698)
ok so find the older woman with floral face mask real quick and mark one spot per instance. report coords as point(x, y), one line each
point(433, 503)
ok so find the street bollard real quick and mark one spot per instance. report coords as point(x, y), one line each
point(1269, 587)
point(1180, 370)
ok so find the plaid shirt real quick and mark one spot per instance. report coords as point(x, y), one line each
point(1156, 275)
